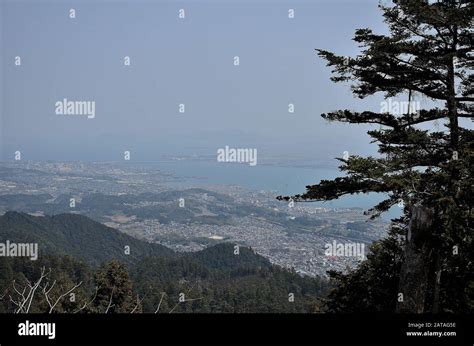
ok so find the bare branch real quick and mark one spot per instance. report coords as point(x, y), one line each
point(159, 304)
point(139, 301)
point(61, 296)
point(86, 304)
point(110, 301)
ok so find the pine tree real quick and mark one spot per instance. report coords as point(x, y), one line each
point(429, 51)
point(115, 291)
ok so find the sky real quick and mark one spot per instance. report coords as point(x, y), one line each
point(176, 61)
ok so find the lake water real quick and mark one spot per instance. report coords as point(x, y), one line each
point(280, 180)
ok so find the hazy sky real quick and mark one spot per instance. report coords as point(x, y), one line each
point(175, 61)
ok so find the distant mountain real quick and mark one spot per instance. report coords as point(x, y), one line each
point(80, 237)
point(77, 236)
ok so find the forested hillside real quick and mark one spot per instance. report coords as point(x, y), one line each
point(84, 266)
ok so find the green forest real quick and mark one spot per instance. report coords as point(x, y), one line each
point(84, 267)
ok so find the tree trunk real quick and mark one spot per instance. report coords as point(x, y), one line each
point(416, 272)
